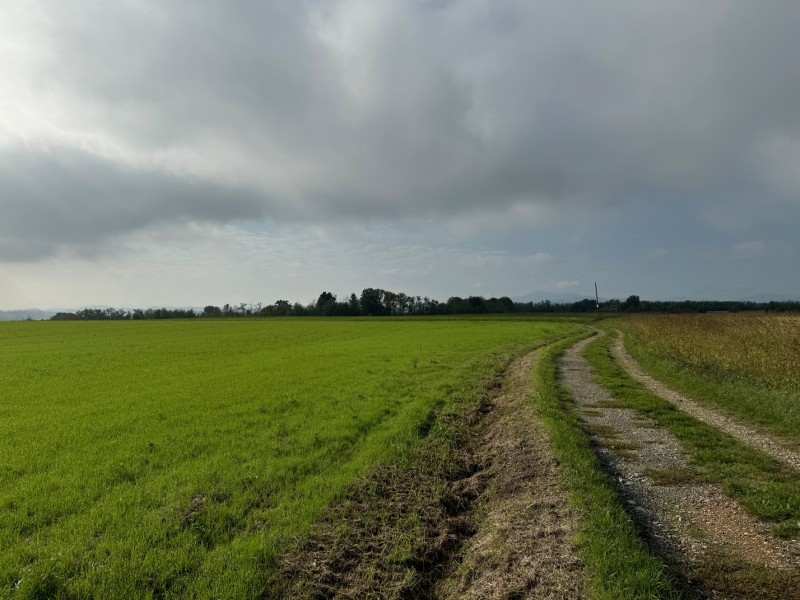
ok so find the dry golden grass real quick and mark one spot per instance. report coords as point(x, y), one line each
point(758, 348)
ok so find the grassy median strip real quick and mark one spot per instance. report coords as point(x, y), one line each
point(618, 562)
point(767, 489)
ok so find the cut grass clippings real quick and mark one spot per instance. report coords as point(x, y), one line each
point(764, 487)
point(618, 563)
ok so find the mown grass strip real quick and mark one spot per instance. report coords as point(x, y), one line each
point(763, 486)
point(618, 563)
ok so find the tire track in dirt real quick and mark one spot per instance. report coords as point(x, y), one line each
point(502, 529)
point(744, 434)
point(711, 545)
point(523, 546)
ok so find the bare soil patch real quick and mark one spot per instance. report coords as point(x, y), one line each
point(490, 520)
point(767, 444)
point(713, 547)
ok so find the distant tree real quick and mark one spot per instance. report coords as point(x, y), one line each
point(428, 306)
point(281, 308)
point(499, 305)
point(631, 304)
point(353, 306)
point(371, 302)
point(326, 304)
point(403, 304)
point(585, 305)
point(388, 301)
point(325, 298)
point(457, 305)
point(507, 303)
point(477, 305)
point(212, 311)
point(65, 316)
point(416, 305)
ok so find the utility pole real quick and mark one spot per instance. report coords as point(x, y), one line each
point(597, 299)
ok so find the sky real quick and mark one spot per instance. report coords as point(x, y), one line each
point(199, 152)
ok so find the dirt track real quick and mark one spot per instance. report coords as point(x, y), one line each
point(711, 544)
point(523, 544)
point(715, 418)
point(503, 529)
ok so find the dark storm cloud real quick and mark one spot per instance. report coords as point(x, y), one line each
point(359, 109)
point(63, 197)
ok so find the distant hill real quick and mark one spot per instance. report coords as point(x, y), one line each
point(554, 297)
point(34, 314)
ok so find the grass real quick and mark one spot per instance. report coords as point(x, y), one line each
point(765, 488)
point(618, 563)
point(748, 364)
point(144, 459)
point(397, 527)
point(671, 476)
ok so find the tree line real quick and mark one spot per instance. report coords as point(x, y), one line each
point(376, 302)
point(120, 314)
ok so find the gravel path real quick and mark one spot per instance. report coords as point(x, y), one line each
point(715, 418)
point(709, 542)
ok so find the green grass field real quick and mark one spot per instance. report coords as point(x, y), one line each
point(152, 459)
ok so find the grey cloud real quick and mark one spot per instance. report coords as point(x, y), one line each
point(67, 198)
point(343, 109)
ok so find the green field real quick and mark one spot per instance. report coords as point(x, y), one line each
point(151, 459)
point(747, 364)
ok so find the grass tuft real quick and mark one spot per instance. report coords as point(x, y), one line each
point(671, 476)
